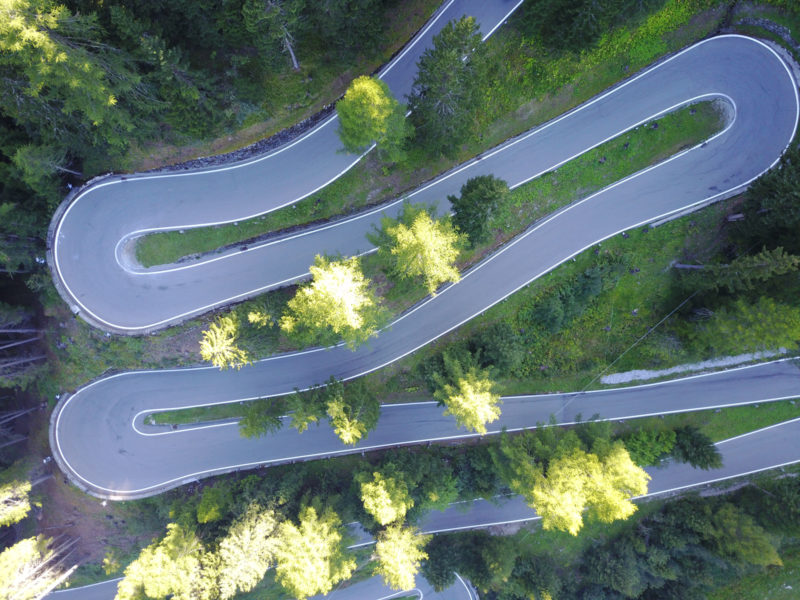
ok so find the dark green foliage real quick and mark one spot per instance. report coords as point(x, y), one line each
point(499, 346)
point(772, 208)
point(575, 24)
point(444, 558)
point(474, 206)
point(744, 273)
point(215, 502)
point(557, 309)
point(447, 88)
point(648, 446)
point(348, 27)
point(696, 448)
point(262, 417)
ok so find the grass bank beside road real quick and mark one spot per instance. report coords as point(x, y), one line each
point(531, 85)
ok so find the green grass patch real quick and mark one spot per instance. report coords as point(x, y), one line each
point(724, 423)
point(773, 583)
point(586, 174)
point(623, 156)
point(199, 414)
point(530, 86)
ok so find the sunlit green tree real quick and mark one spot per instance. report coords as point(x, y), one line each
point(219, 344)
point(167, 568)
point(467, 394)
point(247, 551)
point(418, 246)
point(400, 551)
point(337, 304)
point(311, 557)
point(576, 481)
point(369, 114)
point(386, 498)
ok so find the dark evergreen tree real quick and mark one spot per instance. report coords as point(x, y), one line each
point(446, 89)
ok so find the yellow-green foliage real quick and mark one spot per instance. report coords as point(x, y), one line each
point(428, 249)
point(219, 344)
point(385, 498)
point(14, 501)
point(578, 481)
point(337, 304)
point(467, 395)
point(310, 556)
point(400, 551)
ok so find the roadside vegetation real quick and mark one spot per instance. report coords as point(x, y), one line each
point(157, 84)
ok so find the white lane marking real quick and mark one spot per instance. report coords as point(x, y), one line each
point(384, 207)
point(377, 446)
point(88, 585)
point(797, 117)
point(245, 163)
point(519, 397)
point(502, 148)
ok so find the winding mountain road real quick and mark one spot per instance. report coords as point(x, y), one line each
point(97, 434)
point(764, 111)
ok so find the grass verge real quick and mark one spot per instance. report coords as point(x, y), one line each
point(597, 168)
point(531, 86)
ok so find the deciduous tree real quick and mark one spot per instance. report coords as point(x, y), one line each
point(247, 551)
point(400, 552)
point(219, 344)
point(170, 567)
point(419, 247)
point(337, 304)
point(386, 498)
point(467, 394)
point(310, 556)
point(33, 567)
point(577, 480)
point(370, 114)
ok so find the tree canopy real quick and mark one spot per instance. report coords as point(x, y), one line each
point(337, 304)
point(577, 480)
point(467, 394)
point(247, 551)
point(369, 113)
point(473, 208)
point(310, 556)
point(399, 551)
point(447, 87)
point(219, 344)
point(167, 568)
point(418, 246)
point(385, 498)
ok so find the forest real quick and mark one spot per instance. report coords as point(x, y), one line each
point(89, 87)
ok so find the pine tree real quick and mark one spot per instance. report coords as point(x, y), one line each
point(478, 200)
point(447, 87)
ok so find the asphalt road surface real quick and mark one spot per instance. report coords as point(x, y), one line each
point(91, 240)
point(101, 422)
point(768, 448)
point(101, 442)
